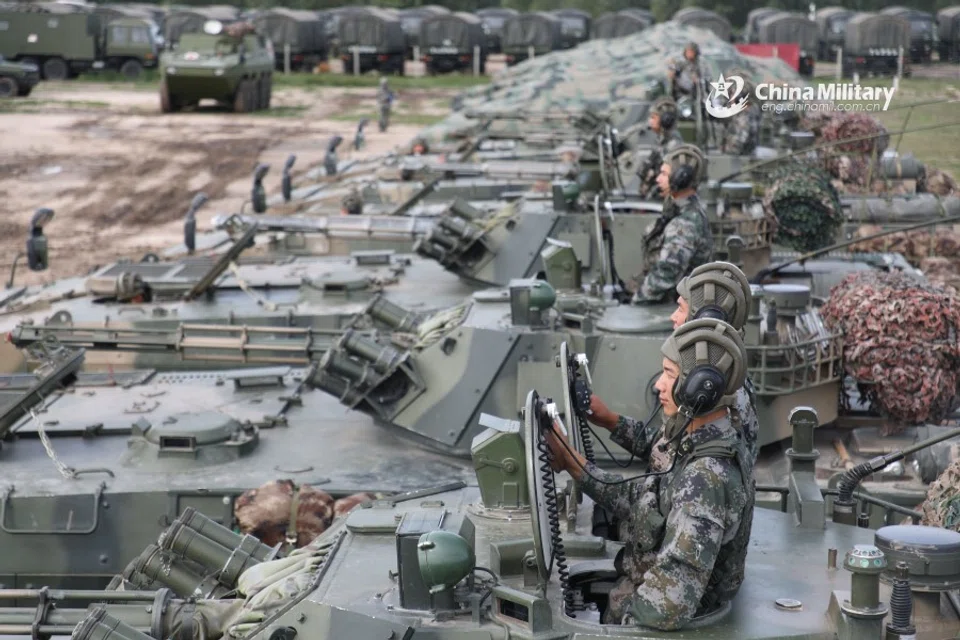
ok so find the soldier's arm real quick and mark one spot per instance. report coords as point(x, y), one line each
point(675, 584)
point(635, 437)
point(618, 499)
point(673, 262)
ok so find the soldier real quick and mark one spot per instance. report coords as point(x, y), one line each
point(684, 74)
point(330, 160)
point(741, 133)
point(685, 531)
point(420, 147)
point(351, 204)
point(717, 290)
point(680, 240)
point(662, 122)
point(384, 102)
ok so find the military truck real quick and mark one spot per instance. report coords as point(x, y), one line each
point(575, 26)
point(536, 33)
point(753, 19)
point(948, 34)
point(17, 78)
point(375, 39)
point(63, 45)
point(233, 66)
point(872, 44)
point(705, 19)
point(792, 28)
point(832, 24)
point(620, 24)
point(493, 19)
point(303, 31)
point(450, 42)
point(412, 19)
point(923, 32)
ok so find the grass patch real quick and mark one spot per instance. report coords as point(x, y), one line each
point(420, 119)
point(149, 77)
point(310, 80)
point(938, 148)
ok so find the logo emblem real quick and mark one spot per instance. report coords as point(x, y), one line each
point(731, 89)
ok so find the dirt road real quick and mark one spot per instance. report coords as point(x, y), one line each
point(119, 174)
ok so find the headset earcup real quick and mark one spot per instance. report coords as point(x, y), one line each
point(702, 390)
point(682, 177)
point(711, 312)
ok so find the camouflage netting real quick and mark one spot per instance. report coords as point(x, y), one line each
point(239, 29)
point(599, 73)
point(806, 205)
point(900, 344)
point(265, 512)
point(942, 506)
point(935, 251)
point(845, 125)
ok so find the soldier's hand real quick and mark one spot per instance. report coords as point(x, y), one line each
point(600, 413)
point(559, 458)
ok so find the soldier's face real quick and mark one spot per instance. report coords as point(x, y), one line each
point(654, 122)
point(680, 315)
point(689, 54)
point(664, 387)
point(663, 179)
point(418, 150)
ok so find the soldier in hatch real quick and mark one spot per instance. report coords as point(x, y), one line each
point(662, 122)
point(680, 240)
point(717, 290)
point(685, 531)
point(684, 74)
point(384, 103)
point(351, 204)
point(741, 133)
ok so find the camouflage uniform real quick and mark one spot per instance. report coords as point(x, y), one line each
point(742, 132)
point(687, 532)
point(667, 140)
point(384, 102)
point(686, 77)
point(684, 244)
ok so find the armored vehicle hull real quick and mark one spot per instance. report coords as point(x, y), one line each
point(17, 78)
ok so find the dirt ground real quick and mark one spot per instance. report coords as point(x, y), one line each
point(120, 175)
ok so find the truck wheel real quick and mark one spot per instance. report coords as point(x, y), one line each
point(55, 69)
point(131, 69)
point(8, 88)
point(268, 91)
point(241, 100)
point(256, 93)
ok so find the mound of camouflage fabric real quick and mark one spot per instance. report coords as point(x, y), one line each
point(598, 73)
point(265, 512)
point(915, 245)
point(239, 29)
point(844, 125)
point(900, 344)
point(806, 205)
point(937, 182)
point(942, 506)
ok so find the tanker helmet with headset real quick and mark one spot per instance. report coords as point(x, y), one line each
point(667, 108)
point(686, 167)
point(712, 361)
point(718, 291)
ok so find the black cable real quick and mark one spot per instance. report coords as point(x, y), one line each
point(495, 577)
point(496, 581)
point(553, 515)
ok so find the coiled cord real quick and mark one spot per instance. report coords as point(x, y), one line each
point(553, 514)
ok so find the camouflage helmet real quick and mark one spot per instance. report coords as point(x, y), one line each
point(712, 362)
point(422, 142)
point(717, 290)
point(687, 166)
point(668, 110)
point(746, 75)
point(352, 202)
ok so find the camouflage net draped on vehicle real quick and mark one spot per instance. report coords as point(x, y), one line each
point(942, 506)
point(264, 512)
point(806, 205)
point(899, 344)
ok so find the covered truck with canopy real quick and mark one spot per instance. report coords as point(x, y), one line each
point(411, 19)
point(705, 19)
point(538, 32)
point(192, 20)
point(575, 26)
point(948, 32)
point(493, 19)
point(376, 38)
point(450, 41)
point(753, 19)
point(621, 23)
point(832, 24)
point(873, 42)
point(303, 31)
point(923, 32)
point(791, 28)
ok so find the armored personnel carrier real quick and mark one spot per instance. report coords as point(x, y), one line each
point(17, 78)
point(507, 556)
point(232, 65)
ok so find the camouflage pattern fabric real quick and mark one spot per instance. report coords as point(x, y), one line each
point(707, 505)
point(938, 182)
point(899, 344)
point(915, 245)
point(667, 140)
point(687, 75)
point(806, 205)
point(384, 102)
point(942, 506)
point(265, 512)
point(843, 125)
point(685, 244)
point(742, 132)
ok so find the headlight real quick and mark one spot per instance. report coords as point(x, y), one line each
point(686, 111)
point(171, 70)
point(218, 72)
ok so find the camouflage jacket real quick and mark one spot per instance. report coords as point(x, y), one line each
point(685, 243)
point(649, 445)
point(686, 76)
point(669, 139)
point(706, 504)
point(742, 132)
point(384, 97)
point(650, 167)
